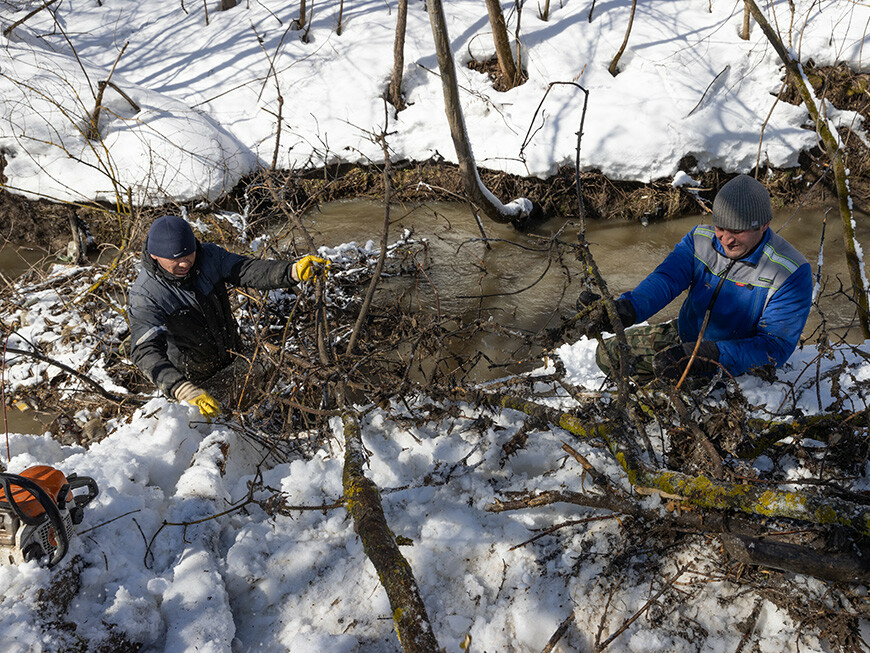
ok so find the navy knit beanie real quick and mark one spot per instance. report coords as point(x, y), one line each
point(171, 237)
point(743, 203)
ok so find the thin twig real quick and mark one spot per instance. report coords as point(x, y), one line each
point(646, 607)
point(560, 632)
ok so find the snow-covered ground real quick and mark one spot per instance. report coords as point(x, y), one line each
point(207, 90)
point(297, 579)
point(255, 579)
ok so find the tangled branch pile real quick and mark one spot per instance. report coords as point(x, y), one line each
point(716, 468)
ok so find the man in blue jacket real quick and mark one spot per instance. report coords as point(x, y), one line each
point(755, 285)
point(182, 327)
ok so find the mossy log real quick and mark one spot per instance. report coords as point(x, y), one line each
point(363, 502)
point(744, 539)
point(754, 499)
point(702, 491)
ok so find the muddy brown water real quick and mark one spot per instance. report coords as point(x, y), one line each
point(517, 282)
point(13, 262)
point(469, 278)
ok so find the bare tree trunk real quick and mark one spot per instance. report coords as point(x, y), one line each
point(340, 16)
point(227, 4)
point(502, 44)
point(838, 164)
point(299, 23)
point(477, 193)
point(744, 34)
point(305, 35)
point(545, 12)
point(519, 73)
point(614, 69)
point(394, 93)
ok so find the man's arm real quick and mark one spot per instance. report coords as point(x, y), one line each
point(666, 282)
point(779, 328)
point(148, 338)
point(255, 273)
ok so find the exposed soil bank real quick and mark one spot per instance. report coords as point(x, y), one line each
point(47, 225)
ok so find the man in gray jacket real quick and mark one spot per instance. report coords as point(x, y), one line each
point(182, 328)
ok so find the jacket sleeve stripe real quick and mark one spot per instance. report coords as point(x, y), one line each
point(150, 333)
point(779, 259)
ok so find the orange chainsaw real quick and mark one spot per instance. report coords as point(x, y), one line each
point(38, 511)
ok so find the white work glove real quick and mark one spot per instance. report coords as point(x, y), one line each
point(196, 396)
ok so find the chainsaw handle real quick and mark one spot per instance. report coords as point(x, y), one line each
point(47, 503)
point(8, 480)
point(75, 481)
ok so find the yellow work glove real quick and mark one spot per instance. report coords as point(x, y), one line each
point(310, 266)
point(196, 396)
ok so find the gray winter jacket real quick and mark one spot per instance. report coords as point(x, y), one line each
point(182, 329)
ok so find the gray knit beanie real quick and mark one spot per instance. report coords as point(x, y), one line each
point(743, 203)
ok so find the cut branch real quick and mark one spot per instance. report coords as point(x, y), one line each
point(364, 504)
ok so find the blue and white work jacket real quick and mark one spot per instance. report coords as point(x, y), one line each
point(761, 310)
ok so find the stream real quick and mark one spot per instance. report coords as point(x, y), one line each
point(625, 252)
point(518, 282)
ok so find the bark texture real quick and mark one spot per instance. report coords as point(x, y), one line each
point(363, 502)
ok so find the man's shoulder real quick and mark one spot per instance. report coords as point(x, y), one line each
point(141, 282)
point(704, 231)
point(702, 235)
point(778, 251)
point(211, 250)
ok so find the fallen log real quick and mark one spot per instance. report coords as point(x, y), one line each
point(363, 501)
point(743, 538)
point(837, 567)
point(817, 427)
point(701, 490)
